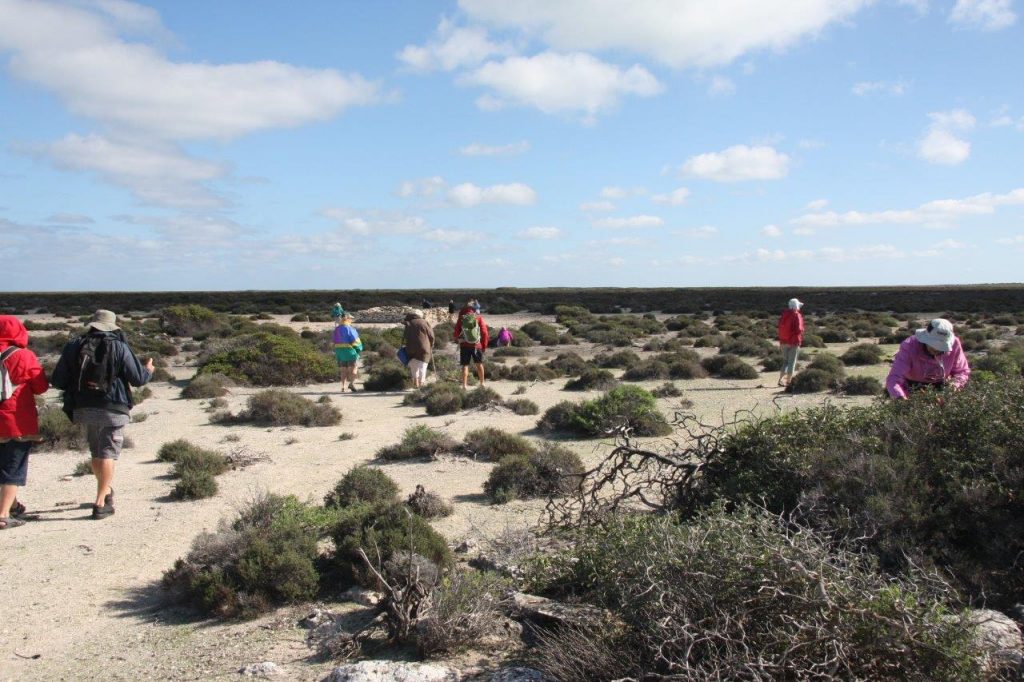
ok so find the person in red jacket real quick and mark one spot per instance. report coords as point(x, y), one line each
point(19, 420)
point(472, 337)
point(791, 337)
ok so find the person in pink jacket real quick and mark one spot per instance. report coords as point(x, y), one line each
point(932, 358)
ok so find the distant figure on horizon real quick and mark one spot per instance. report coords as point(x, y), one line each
point(426, 304)
point(472, 337)
point(96, 372)
point(791, 337)
point(932, 358)
point(419, 345)
point(336, 312)
point(347, 348)
point(22, 380)
point(451, 310)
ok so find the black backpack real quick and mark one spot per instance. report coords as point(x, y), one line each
point(95, 365)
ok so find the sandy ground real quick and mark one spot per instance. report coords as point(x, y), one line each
point(82, 597)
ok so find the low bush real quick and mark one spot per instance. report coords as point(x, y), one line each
point(628, 407)
point(569, 364)
point(932, 480)
point(549, 470)
point(686, 369)
point(381, 530)
point(729, 366)
point(427, 504)
point(191, 320)
point(207, 386)
point(667, 390)
point(418, 441)
point(530, 372)
point(490, 444)
point(480, 397)
point(176, 449)
point(522, 406)
point(58, 432)
point(622, 359)
point(465, 610)
point(646, 370)
point(265, 557)
point(196, 459)
point(387, 375)
point(862, 354)
point(751, 346)
point(194, 484)
point(264, 359)
point(541, 332)
point(861, 385)
point(362, 484)
point(277, 407)
point(745, 596)
point(813, 380)
point(772, 363)
point(592, 380)
point(510, 352)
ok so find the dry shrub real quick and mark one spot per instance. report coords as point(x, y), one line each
point(522, 406)
point(58, 432)
point(481, 397)
point(592, 379)
point(490, 444)
point(211, 385)
point(277, 407)
point(549, 470)
point(861, 385)
point(418, 441)
point(465, 609)
point(427, 504)
point(362, 484)
point(387, 375)
point(863, 354)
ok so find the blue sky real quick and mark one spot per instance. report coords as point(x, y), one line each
point(483, 143)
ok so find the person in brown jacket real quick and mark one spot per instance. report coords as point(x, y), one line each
point(419, 345)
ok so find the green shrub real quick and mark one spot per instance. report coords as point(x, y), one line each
point(522, 406)
point(277, 407)
point(58, 432)
point(619, 359)
point(625, 406)
point(815, 341)
point(759, 597)
point(813, 380)
point(861, 385)
point(265, 557)
point(264, 359)
point(569, 364)
point(747, 345)
point(541, 332)
point(862, 354)
point(444, 402)
point(387, 375)
point(418, 441)
point(510, 352)
point(933, 480)
point(381, 530)
point(191, 320)
point(207, 386)
point(195, 459)
point(490, 444)
point(667, 390)
point(362, 484)
point(646, 370)
point(531, 372)
point(729, 366)
point(175, 449)
point(772, 363)
point(592, 380)
point(480, 397)
point(550, 470)
point(194, 484)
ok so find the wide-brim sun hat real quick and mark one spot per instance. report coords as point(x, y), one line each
point(347, 318)
point(104, 321)
point(938, 334)
point(795, 304)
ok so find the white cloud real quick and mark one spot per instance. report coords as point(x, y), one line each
point(455, 47)
point(940, 143)
point(594, 206)
point(702, 232)
point(512, 149)
point(423, 187)
point(467, 194)
point(637, 221)
point(613, 192)
point(771, 231)
point(560, 83)
point(817, 204)
point(375, 223)
point(70, 219)
point(681, 33)
point(616, 262)
point(738, 163)
point(831, 254)
point(990, 15)
point(938, 213)
point(721, 86)
point(1011, 241)
point(155, 172)
point(540, 233)
point(676, 197)
point(810, 144)
point(452, 236)
point(78, 55)
point(870, 87)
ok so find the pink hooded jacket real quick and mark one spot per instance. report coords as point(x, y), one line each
point(914, 363)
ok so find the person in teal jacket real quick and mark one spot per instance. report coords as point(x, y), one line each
point(336, 313)
point(347, 348)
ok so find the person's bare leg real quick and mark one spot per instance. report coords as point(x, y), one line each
point(465, 376)
point(480, 372)
point(103, 470)
point(342, 373)
point(8, 494)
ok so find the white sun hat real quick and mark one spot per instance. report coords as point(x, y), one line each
point(938, 334)
point(795, 304)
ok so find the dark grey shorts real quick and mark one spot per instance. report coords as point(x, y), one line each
point(14, 462)
point(104, 430)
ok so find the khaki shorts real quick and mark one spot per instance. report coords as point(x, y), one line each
point(104, 431)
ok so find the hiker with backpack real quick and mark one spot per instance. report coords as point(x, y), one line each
point(96, 372)
point(505, 337)
point(418, 341)
point(471, 335)
point(21, 380)
point(791, 337)
point(347, 348)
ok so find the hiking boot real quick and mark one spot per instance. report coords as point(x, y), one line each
point(108, 499)
point(103, 512)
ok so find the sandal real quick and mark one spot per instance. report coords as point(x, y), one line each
point(10, 522)
point(17, 509)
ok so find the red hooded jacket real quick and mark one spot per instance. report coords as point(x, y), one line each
point(18, 415)
point(484, 336)
point(791, 328)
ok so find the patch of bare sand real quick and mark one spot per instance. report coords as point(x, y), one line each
point(82, 596)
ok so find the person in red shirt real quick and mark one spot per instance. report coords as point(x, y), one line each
point(791, 337)
point(472, 337)
point(19, 420)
